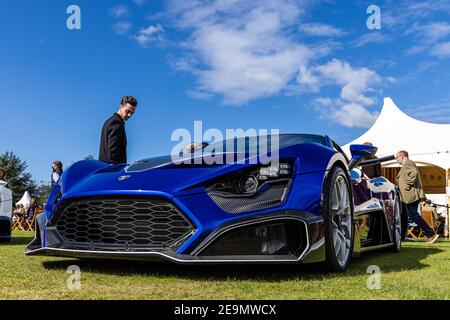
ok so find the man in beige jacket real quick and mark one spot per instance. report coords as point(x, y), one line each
point(411, 192)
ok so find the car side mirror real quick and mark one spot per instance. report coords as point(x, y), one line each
point(361, 152)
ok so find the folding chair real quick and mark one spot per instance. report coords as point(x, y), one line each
point(427, 215)
point(19, 224)
point(29, 224)
point(14, 222)
point(414, 231)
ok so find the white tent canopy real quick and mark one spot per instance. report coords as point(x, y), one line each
point(394, 130)
point(26, 199)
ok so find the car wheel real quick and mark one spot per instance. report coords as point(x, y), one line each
point(339, 224)
point(397, 227)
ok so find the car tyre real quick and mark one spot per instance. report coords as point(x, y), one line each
point(339, 225)
point(397, 226)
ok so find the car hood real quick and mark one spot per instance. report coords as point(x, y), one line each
point(149, 175)
point(173, 177)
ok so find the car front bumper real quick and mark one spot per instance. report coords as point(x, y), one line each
point(310, 233)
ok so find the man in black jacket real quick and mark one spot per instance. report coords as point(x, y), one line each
point(113, 144)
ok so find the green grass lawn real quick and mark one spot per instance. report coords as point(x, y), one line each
point(420, 271)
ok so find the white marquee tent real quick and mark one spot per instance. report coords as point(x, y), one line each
point(427, 143)
point(26, 199)
point(394, 130)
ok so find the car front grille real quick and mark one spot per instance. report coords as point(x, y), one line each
point(122, 224)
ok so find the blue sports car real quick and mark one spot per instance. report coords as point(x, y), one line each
point(313, 205)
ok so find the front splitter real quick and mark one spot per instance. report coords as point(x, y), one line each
point(160, 256)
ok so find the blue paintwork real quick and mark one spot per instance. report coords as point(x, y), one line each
point(186, 187)
point(361, 151)
point(377, 182)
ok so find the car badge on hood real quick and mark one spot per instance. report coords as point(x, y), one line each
point(121, 178)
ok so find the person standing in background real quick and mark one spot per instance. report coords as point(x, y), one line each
point(31, 209)
point(411, 192)
point(57, 168)
point(113, 141)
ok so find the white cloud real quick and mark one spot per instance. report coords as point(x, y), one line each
point(150, 30)
point(353, 115)
point(119, 11)
point(321, 30)
point(248, 51)
point(373, 37)
point(415, 50)
point(354, 82)
point(405, 14)
point(324, 102)
point(305, 77)
point(418, 20)
point(438, 111)
point(392, 79)
point(429, 35)
point(242, 51)
point(182, 64)
point(199, 95)
point(245, 49)
point(441, 50)
point(149, 35)
point(350, 109)
point(435, 31)
point(122, 27)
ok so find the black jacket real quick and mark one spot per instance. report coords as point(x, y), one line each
point(113, 143)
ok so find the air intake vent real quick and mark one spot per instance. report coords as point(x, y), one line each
point(122, 224)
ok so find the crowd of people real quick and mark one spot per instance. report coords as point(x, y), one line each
point(24, 212)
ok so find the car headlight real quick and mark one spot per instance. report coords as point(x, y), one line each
point(248, 184)
point(255, 189)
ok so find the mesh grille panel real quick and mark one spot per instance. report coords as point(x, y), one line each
point(122, 224)
point(267, 199)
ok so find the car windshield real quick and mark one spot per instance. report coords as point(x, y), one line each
point(251, 145)
point(256, 144)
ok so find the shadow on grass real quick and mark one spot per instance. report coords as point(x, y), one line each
point(20, 241)
point(408, 259)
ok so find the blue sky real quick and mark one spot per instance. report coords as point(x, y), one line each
point(297, 66)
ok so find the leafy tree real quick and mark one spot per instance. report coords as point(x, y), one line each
point(88, 157)
point(18, 179)
point(43, 192)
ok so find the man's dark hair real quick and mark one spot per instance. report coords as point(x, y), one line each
point(128, 99)
point(404, 153)
point(58, 164)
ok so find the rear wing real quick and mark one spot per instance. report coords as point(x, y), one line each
point(376, 161)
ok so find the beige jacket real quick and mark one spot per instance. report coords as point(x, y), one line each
point(410, 183)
